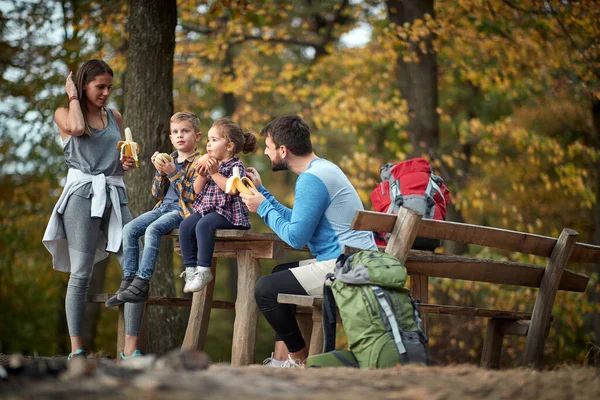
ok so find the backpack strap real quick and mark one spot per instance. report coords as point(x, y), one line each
point(328, 311)
point(393, 324)
point(433, 183)
point(343, 360)
point(396, 198)
point(417, 317)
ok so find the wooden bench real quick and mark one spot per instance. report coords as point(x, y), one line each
point(408, 224)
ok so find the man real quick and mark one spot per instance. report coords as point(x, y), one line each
point(324, 206)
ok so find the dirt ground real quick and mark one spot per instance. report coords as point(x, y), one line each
point(103, 379)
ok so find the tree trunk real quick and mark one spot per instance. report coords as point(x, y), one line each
point(418, 80)
point(594, 292)
point(148, 102)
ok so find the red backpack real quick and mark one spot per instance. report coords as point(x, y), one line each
point(410, 183)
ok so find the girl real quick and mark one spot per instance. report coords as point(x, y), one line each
point(87, 221)
point(215, 209)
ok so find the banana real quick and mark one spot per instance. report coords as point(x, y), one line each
point(128, 147)
point(236, 185)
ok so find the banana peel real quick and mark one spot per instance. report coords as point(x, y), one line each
point(128, 147)
point(235, 184)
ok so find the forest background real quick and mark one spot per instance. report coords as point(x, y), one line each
point(502, 96)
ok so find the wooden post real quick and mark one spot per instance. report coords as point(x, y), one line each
point(404, 233)
point(542, 310)
point(305, 325)
point(246, 311)
point(121, 330)
point(316, 340)
point(419, 286)
point(492, 345)
point(195, 333)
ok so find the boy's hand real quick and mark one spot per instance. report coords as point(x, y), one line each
point(156, 163)
point(127, 163)
point(212, 166)
point(254, 200)
point(167, 166)
point(254, 176)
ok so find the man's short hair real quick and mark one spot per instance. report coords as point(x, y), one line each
point(290, 131)
point(187, 116)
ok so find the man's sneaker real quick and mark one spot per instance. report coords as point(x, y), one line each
point(78, 354)
point(113, 301)
point(291, 363)
point(200, 279)
point(188, 275)
point(136, 353)
point(272, 362)
point(137, 292)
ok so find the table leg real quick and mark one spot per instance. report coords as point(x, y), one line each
point(197, 327)
point(246, 312)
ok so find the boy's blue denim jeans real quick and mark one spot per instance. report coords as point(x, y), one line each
point(152, 225)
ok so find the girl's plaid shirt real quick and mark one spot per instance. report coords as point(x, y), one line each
point(213, 199)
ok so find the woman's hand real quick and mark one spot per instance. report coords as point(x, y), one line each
point(127, 163)
point(70, 87)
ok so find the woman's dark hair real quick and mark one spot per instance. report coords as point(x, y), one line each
point(243, 139)
point(87, 73)
point(290, 131)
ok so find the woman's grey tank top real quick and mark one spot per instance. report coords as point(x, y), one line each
point(96, 154)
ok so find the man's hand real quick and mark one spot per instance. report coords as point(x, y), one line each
point(127, 163)
point(254, 176)
point(254, 200)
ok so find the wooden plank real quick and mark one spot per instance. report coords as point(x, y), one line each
point(259, 249)
point(472, 311)
point(162, 301)
point(237, 234)
point(542, 310)
point(246, 311)
point(404, 233)
point(299, 300)
point(485, 270)
point(197, 327)
point(479, 235)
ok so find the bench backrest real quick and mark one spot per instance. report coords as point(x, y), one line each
point(475, 269)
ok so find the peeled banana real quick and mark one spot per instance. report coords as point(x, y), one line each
point(235, 184)
point(128, 147)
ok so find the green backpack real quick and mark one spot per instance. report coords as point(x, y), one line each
point(381, 319)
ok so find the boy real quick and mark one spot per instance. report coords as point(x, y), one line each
point(173, 187)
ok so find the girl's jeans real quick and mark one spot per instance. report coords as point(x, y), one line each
point(152, 225)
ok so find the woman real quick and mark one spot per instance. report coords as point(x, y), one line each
point(86, 223)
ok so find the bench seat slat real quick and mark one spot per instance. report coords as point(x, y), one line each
point(526, 243)
point(316, 301)
point(162, 301)
point(485, 270)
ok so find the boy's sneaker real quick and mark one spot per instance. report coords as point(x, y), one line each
point(78, 354)
point(113, 301)
point(188, 275)
point(201, 277)
point(137, 292)
point(136, 353)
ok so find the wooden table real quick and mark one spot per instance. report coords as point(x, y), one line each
point(247, 247)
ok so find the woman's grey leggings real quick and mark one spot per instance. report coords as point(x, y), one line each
point(82, 233)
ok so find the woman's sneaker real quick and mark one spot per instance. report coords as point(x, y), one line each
point(136, 353)
point(201, 277)
point(78, 354)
